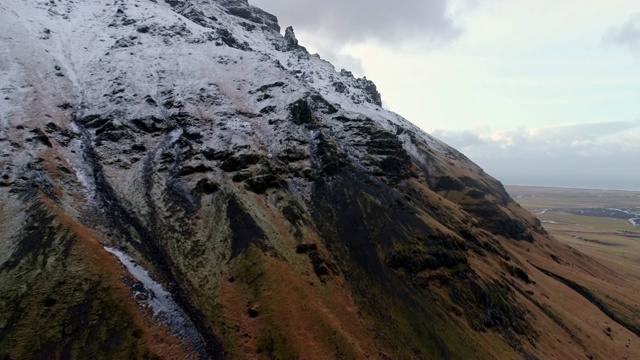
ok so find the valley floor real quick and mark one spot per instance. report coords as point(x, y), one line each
point(602, 224)
point(599, 223)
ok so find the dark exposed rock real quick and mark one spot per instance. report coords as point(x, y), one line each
point(321, 104)
point(242, 9)
point(445, 183)
point(228, 39)
point(266, 87)
point(305, 248)
point(294, 213)
point(198, 17)
point(94, 121)
point(242, 175)
point(244, 229)
point(253, 313)
point(112, 132)
point(248, 26)
point(40, 137)
point(205, 186)
point(308, 173)
point(396, 167)
point(150, 124)
point(475, 194)
point(292, 155)
point(332, 158)
point(267, 110)
point(138, 148)
point(123, 43)
point(239, 162)
point(212, 154)
point(320, 267)
point(491, 187)
point(260, 183)
point(195, 169)
point(182, 118)
point(291, 43)
point(192, 134)
point(370, 89)
point(50, 302)
point(300, 113)
point(519, 273)
point(51, 127)
point(339, 87)
point(494, 218)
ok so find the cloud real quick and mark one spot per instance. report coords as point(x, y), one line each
point(383, 21)
point(601, 155)
point(627, 34)
point(582, 139)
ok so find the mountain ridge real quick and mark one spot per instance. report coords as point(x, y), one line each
point(283, 209)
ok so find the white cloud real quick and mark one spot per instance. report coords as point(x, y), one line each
point(331, 27)
point(387, 22)
point(602, 155)
point(627, 34)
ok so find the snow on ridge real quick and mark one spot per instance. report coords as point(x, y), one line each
point(115, 53)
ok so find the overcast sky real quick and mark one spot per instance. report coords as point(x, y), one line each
point(543, 92)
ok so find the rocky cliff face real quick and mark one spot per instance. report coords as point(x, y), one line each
point(177, 179)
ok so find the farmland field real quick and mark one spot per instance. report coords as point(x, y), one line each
point(599, 223)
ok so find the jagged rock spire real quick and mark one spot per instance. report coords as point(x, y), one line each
point(290, 38)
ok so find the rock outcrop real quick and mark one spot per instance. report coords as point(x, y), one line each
point(283, 209)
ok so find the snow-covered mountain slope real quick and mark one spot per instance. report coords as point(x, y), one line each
point(218, 65)
point(284, 211)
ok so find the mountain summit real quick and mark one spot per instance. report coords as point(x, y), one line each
point(180, 180)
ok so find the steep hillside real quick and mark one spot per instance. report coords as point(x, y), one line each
point(178, 179)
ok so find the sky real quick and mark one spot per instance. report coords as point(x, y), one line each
point(541, 92)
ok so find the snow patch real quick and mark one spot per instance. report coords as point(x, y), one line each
point(165, 310)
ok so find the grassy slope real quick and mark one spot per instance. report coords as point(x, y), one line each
point(66, 299)
point(606, 263)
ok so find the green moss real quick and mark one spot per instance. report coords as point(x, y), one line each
point(249, 271)
point(68, 315)
point(54, 305)
point(413, 331)
point(272, 344)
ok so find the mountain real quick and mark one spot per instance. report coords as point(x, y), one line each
point(179, 180)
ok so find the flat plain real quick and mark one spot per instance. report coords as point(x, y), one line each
point(595, 222)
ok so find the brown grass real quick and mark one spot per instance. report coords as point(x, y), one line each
point(318, 320)
point(590, 252)
point(102, 264)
